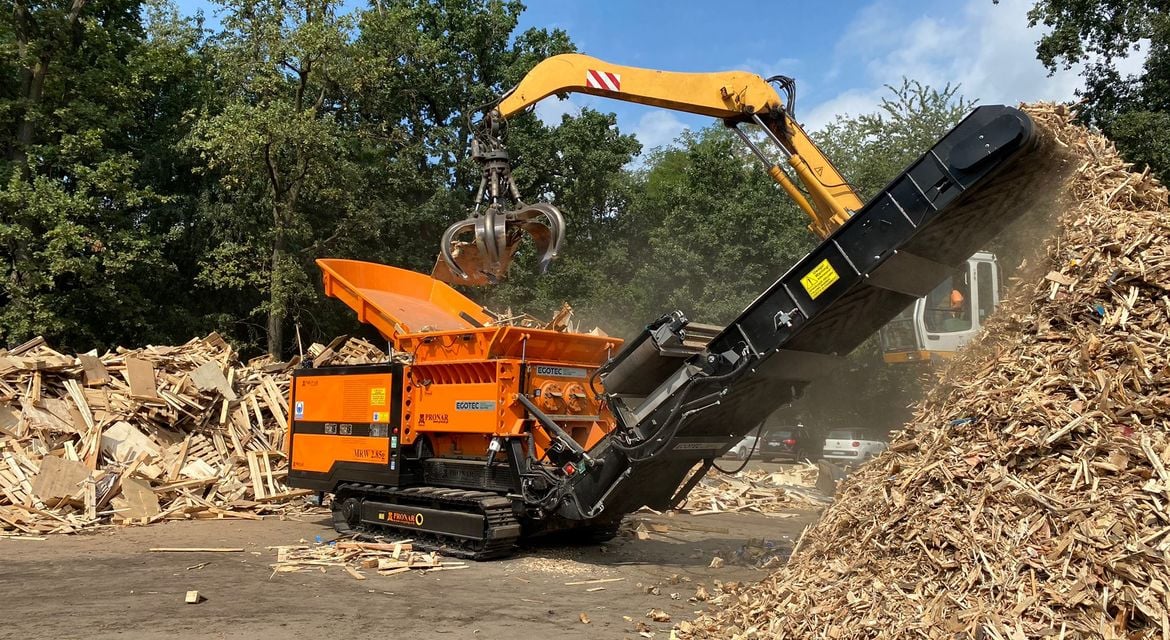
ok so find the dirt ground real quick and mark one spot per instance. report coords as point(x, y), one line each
point(108, 585)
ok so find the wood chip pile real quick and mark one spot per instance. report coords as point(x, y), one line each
point(1028, 498)
point(352, 556)
point(758, 491)
point(138, 436)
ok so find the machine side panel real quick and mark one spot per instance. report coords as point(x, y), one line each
point(345, 426)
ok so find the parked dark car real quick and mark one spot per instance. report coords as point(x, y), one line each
point(789, 444)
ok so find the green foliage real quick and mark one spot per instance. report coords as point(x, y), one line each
point(81, 258)
point(1097, 33)
point(710, 229)
point(279, 155)
point(1144, 137)
point(872, 148)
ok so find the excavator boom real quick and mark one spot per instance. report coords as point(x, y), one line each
point(735, 97)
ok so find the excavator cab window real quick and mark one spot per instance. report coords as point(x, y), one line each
point(986, 287)
point(948, 307)
point(898, 334)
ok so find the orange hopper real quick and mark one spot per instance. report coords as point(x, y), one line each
point(397, 301)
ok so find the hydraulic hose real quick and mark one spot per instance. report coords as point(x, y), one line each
point(680, 409)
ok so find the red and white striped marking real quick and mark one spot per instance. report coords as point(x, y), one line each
point(595, 79)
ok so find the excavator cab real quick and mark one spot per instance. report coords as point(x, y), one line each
point(934, 327)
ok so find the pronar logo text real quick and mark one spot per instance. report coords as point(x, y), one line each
point(559, 372)
point(475, 405)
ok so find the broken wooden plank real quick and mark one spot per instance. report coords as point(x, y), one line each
point(59, 478)
point(196, 549)
point(596, 581)
point(93, 372)
point(140, 376)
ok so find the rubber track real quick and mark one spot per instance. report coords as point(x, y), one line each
point(496, 508)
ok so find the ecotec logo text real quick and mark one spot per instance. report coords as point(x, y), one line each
point(559, 372)
point(475, 405)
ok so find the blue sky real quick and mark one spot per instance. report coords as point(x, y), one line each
point(841, 53)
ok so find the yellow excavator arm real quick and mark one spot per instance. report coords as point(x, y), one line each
point(736, 97)
point(733, 96)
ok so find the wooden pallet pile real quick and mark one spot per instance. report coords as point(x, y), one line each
point(345, 350)
point(139, 436)
point(1030, 496)
point(352, 556)
point(758, 491)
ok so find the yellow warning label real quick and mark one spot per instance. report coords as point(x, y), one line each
point(820, 278)
point(378, 397)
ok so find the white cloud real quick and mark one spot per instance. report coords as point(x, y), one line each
point(658, 128)
point(987, 48)
point(550, 110)
point(779, 66)
point(854, 102)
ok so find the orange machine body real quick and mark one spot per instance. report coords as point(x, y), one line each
point(461, 388)
point(345, 418)
point(458, 386)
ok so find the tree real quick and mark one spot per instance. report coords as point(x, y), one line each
point(286, 165)
point(872, 148)
point(1133, 110)
point(702, 229)
point(83, 261)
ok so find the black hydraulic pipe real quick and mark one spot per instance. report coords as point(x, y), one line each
point(551, 425)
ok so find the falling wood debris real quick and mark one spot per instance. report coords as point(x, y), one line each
point(352, 556)
point(139, 436)
point(756, 491)
point(1028, 497)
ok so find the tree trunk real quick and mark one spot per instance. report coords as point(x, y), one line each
point(25, 129)
point(33, 77)
point(276, 301)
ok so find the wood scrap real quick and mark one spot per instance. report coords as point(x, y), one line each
point(163, 432)
point(59, 478)
point(758, 491)
point(387, 558)
point(1027, 497)
point(597, 581)
point(140, 375)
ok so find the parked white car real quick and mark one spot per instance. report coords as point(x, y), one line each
point(853, 446)
point(742, 448)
